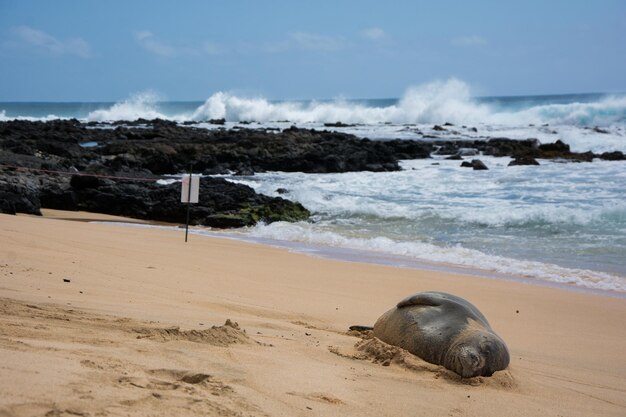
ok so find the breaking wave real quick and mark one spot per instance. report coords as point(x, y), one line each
point(608, 111)
point(436, 102)
point(139, 106)
point(449, 100)
point(431, 103)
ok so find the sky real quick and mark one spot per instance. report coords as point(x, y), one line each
point(87, 50)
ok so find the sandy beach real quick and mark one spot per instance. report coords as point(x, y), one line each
point(107, 320)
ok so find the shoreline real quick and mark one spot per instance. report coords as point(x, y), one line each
point(397, 261)
point(358, 256)
point(130, 329)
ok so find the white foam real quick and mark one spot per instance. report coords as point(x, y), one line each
point(604, 113)
point(551, 193)
point(572, 215)
point(50, 117)
point(435, 102)
point(141, 105)
point(441, 101)
point(233, 108)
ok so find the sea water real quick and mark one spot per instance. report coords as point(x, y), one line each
point(556, 222)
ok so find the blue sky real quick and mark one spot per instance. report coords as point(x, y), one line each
point(70, 50)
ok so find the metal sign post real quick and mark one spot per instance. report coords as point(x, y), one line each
point(189, 193)
point(188, 206)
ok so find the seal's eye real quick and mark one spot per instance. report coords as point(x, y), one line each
point(486, 350)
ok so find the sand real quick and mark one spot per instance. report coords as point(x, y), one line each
point(107, 320)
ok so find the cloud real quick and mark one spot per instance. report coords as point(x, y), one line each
point(211, 48)
point(44, 41)
point(316, 42)
point(472, 40)
point(295, 41)
point(276, 47)
point(299, 41)
point(373, 34)
point(149, 42)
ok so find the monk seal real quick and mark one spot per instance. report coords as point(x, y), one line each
point(445, 330)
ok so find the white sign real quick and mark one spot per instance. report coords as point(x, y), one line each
point(185, 195)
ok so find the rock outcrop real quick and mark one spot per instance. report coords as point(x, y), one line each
point(138, 153)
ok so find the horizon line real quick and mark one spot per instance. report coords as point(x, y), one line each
point(305, 99)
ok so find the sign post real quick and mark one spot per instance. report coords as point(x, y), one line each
point(189, 194)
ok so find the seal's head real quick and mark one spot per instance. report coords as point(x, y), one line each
point(477, 354)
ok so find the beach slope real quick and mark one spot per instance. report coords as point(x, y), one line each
point(105, 319)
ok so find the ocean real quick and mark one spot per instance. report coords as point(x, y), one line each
point(556, 223)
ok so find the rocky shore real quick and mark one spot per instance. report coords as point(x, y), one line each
point(117, 166)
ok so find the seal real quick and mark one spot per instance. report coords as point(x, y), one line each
point(445, 330)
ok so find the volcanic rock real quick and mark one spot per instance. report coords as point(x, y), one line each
point(613, 156)
point(523, 160)
point(476, 164)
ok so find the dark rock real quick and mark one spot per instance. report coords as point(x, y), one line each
point(613, 156)
point(146, 149)
point(19, 193)
point(561, 151)
point(222, 203)
point(581, 157)
point(600, 130)
point(169, 151)
point(227, 221)
point(160, 146)
point(531, 148)
point(448, 124)
point(407, 149)
point(509, 147)
point(282, 191)
point(244, 171)
point(456, 157)
point(523, 160)
point(556, 147)
point(473, 129)
point(467, 151)
point(80, 182)
point(217, 121)
point(476, 164)
point(438, 128)
point(338, 124)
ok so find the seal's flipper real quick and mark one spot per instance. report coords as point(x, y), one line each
point(431, 299)
point(361, 328)
point(436, 299)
